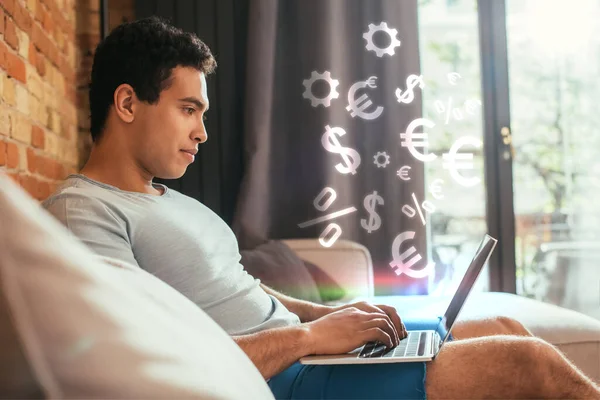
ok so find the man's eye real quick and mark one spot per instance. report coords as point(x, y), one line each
point(204, 118)
point(189, 110)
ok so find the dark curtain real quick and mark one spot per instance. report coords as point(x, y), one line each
point(265, 162)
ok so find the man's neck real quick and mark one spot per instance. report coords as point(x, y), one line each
point(118, 172)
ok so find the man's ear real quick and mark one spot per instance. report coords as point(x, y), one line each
point(125, 102)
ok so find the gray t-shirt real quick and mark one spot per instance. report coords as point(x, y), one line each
point(177, 239)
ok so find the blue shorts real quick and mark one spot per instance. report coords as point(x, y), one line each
point(373, 381)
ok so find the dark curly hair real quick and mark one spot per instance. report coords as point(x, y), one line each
point(141, 53)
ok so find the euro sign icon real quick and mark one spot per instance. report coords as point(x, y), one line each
point(453, 165)
point(350, 156)
point(358, 106)
point(403, 262)
point(412, 140)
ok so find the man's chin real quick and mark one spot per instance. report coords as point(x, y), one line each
point(171, 175)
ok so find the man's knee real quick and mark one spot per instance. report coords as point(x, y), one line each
point(512, 326)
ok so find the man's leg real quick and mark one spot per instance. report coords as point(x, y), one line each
point(506, 367)
point(488, 327)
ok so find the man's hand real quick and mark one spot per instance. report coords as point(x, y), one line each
point(348, 327)
point(391, 313)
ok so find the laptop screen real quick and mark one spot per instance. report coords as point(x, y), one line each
point(481, 256)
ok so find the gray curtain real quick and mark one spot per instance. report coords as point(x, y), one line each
point(286, 165)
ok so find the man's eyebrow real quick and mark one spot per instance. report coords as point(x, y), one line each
point(195, 101)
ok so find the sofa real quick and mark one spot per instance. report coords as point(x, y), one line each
point(74, 324)
point(575, 334)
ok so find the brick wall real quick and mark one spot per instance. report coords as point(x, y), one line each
point(46, 49)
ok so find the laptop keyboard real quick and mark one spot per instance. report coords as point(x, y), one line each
point(411, 346)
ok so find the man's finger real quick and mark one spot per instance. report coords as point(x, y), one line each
point(393, 314)
point(397, 328)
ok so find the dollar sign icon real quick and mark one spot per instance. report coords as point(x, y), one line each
point(411, 82)
point(358, 106)
point(403, 262)
point(370, 202)
point(413, 140)
point(350, 156)
point(454, 166)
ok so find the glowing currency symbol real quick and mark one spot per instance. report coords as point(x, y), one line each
point(436, 188)
point(452, 157)
point(413, 140)
point(403, 173)
point(370, 202)
point(411, 82)
point(329, 195)
point(358, 106)
point(403, 262)
point(350, 156)
point(453, 77)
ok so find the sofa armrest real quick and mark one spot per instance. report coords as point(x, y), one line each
point(348, 263)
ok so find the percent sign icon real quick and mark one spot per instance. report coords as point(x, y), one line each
point(332, 226)
point(410, 212)
point(470, 107)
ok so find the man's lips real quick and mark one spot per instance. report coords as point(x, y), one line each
point(190, 155)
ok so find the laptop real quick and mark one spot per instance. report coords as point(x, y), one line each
point(418, 346)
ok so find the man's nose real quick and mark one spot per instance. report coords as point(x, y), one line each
point(200, 136)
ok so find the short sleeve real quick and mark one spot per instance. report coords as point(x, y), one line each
point(93, 223)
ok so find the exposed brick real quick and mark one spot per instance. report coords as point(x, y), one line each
point(22, 99)
point(3, 55)
point(20, 128)
point(40, 39)
point(22, 156)
point(51, 144)
point(55, 123)
point(31, 53)
point(43, 166)
point(31, 5)
point(5, 121)
point(44, 71)
point(2, 153)
point(29, 183)
point(16, 67)
point(8, 5)
point(34, 108)
point(10, 34)
point(1, 21)
point(31, 160)
point(34, 83)
point(39, 14)
point(37, 137)
point(44, 190)
point(8, 91)
point(12, 155)
point(22, 17)
point(40, 63)
point(23, 44)
point(47, 23)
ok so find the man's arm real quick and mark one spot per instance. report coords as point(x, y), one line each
point(273, 350)
point(305, 310)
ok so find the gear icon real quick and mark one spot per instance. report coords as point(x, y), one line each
point(308, 94)
point(368, 36)
point(385, 162)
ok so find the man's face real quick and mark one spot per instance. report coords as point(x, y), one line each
point(166, 132)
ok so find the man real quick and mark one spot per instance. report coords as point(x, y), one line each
point(148, 101)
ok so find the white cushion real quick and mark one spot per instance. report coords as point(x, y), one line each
point(94, 327)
